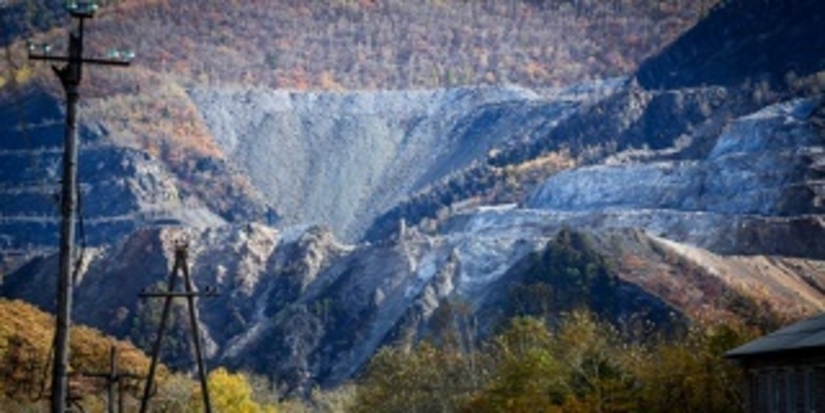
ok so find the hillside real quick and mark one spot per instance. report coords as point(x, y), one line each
point(306, 310)
point(122, 186)
point(337, 222)
point(387, 44)
point(22, 18)
point(372, 149)
point(26, 334)
point(724, 50)
point(156, 129)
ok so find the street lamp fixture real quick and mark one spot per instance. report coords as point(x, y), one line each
point(82, 8)
point(126, 55)
point(44, 49)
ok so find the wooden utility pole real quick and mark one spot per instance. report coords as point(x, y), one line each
point(70, 75)
point(114, 382)
point(189, 293)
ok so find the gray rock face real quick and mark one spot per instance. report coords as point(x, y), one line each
point(120, 188)
point(306, 308)
point(757, 165)
point(339, 159)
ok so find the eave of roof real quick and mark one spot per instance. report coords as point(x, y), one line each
point(804, 335)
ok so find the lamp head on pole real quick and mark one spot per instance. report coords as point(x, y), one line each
point(39, 49)
point(82, 8)
point(123, 55)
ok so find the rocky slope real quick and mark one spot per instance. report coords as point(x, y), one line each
point(121, 187)
point(710, 217)
point(272, 152)
point(340, 159)
point(703, 202)
point(763, 172)
point(307, 309)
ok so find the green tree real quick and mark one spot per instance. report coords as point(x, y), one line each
point(527, 377)
point(690, 374)
point(597, 365)
point(568, 275)
point(425, 379)
point(578, 363)
point(583, 367)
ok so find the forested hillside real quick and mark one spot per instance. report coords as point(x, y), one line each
point(721, 49)
point(387, 44)
point(25, 365)
point(581, 365)
point(26, 334)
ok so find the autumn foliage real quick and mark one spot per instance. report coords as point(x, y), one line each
point(26, 336)
point(229, 393)
point(580, 365)
point(394, 44)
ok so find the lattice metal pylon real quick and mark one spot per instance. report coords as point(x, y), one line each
point(180, 266)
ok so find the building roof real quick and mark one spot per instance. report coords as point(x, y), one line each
point(804, 335)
